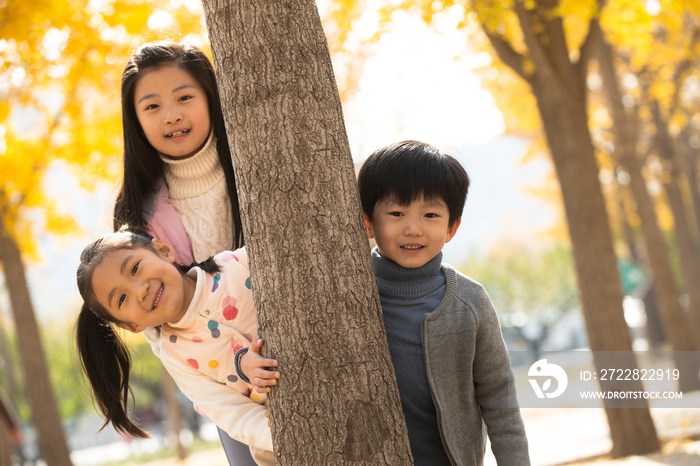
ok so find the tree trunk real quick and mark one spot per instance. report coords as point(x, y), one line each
point(631, 429)
point(690, 158)
point(174, 417)
point(560, 89)
point(52, 441)
point(312, 277)
point(5, 445)
point(675, 320)
point(7, 362)
point(655, 332)
point(5, 442)
point(626, 228)
point(10, 381)
point(625, 131)
point(690, 262)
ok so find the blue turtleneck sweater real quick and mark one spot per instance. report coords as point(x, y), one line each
point(407, 295)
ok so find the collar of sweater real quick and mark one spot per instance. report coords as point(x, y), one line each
point(194, 175)
point(198, 298)
point(393, 279)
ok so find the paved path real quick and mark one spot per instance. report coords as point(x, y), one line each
point(581, 437)
point(568, 437)
point(213, 457)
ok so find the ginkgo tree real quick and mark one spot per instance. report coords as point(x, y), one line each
point(60, 67)
point(619, 132)
point(626, 132)
point(552, 56)
point(634, 116)
point(676, 37)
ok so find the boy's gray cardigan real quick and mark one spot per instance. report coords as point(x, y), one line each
point(469, 373)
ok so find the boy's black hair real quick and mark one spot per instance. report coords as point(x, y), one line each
point(408, 170)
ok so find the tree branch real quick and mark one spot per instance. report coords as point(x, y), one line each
point(588, 49)
point(683, 67)
point(537, 52)
point(508, 55)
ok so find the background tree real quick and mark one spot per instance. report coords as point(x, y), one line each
point(312, 278)
point(660, 48)
point(170, 392)
point(688, 145)
point(44, 411)
point(58, 75)
point(626, 131)
point(689, 258)
point(5, 449)
point(559, 85)
point(667, 149)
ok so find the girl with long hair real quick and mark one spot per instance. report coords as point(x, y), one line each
point(178, 183)
point(197, 319)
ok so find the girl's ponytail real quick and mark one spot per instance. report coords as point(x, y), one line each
point(106, 361)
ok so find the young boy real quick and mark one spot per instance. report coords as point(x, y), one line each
point(451, 364)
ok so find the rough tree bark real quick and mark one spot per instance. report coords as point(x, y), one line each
point(560, 89)
point(625, 130)
point(312, 278)
point(52, 440)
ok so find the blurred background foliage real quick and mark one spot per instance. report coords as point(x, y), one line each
point(538, 282)
point(60, 66)
point(70, 389)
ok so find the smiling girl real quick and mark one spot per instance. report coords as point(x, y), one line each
point(178, 183)
point(195, 318)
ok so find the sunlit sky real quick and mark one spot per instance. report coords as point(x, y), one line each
point(412, 88)
point(415, 88)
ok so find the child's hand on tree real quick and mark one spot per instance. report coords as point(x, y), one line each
point(255, 367)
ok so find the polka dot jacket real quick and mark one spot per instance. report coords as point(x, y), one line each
point(199, 350)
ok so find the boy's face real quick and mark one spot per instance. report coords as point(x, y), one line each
point(411, 235)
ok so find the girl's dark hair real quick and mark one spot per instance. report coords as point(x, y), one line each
point(143, 168)
point(103, 354)
point(408, 170)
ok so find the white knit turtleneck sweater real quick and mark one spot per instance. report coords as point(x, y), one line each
point(197, 189)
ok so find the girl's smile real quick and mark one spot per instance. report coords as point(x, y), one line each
point(142, 288)
point(173, 110)
point(158, 296)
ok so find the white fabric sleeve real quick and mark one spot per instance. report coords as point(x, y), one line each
point(242, 418)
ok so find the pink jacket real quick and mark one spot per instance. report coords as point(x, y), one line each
point(165, 225)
